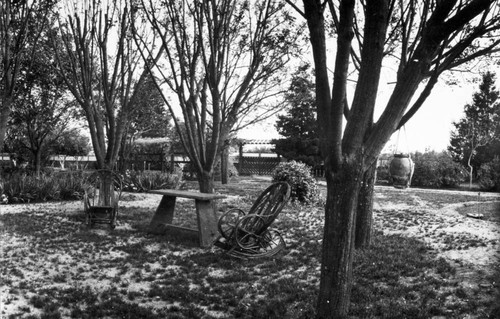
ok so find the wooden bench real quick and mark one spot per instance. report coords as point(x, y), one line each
point(205, 212)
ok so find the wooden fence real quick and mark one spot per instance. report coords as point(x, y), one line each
point(255, 165)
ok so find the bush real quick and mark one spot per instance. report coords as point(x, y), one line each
point(25, 188)
point(134, 181)
point(298, 175)
point(489, 175)
point(383, 174)
point(437, 170)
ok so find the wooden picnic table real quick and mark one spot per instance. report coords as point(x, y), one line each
point(205, 212)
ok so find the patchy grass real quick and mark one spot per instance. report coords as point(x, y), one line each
point(486, 210)
point(53, 266)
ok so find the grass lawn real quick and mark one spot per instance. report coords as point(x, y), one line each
point(428, 260)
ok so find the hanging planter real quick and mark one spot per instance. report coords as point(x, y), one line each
point(401, 170)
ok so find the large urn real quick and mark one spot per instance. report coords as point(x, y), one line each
point(401, 170)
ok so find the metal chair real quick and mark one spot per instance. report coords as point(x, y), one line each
point(102, 194)
point(250, 235)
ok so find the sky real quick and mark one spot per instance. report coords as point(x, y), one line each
point(429, 129)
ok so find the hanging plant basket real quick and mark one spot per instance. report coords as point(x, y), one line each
point(401, 170)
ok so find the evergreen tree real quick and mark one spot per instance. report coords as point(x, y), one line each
point(298, 125)
point(476, 136)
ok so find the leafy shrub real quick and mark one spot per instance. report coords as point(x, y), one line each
point(134, 181)
point(489, 175)
point(25, 188)
point(437, 170)
point(383, 174)
point(189, 171)
point(298, 175)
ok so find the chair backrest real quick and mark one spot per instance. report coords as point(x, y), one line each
point(267, 206)
point(104, 188)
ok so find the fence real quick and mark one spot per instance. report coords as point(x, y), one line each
point(145, 161)
point(256, 165)
point(72, 162)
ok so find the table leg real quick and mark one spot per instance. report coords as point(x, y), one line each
point(164, 214)
point(207, 222)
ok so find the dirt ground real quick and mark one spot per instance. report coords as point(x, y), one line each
point(466, 231)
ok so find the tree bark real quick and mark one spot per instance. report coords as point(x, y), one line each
point(224, 160)
point(338, 238)
point(364, 213)
point(471, 169)
point(38, 161)
point(206, 181)
point(4, 118)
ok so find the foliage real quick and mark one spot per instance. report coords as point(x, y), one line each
point(298, 175)
point(473, 140)
point(21, 187)
point(149, 147)
point(489, 175)
point(71, 143)
point(41, 112)
point(142, 181)
point(149, 118)
point(22, 24)
point(383, 174)
point(436, 170)
point(102, 69)
point(152, 151)
point(298, 126)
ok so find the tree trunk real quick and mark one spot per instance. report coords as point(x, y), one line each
point(206, 181)
point(38, 162)
point(471, 169)
point(338, 239)
point(224, 160)
point(4, 119)
point(364, 213)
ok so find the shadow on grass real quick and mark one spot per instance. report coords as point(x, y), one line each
point(168, 276)
point(489, 211)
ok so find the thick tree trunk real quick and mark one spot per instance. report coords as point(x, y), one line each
point(364, 214)
point(206, 181)
point(338, 239)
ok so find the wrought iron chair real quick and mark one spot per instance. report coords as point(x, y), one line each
point(102, 194)
point(250, 235)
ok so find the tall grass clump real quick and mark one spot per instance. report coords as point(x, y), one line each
point(135, 181)
point(25, 188)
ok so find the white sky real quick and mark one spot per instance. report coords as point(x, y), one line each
point(429, 129)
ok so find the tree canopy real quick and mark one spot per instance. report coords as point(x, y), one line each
point(298, 127)
point(419, 40)
point(222, 70)
point(102, 69)
point(21, 23)
point(478, 132)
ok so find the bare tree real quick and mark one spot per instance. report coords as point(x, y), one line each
point(424, 38)
point(222, 68)
point(104, 70)
point(21, 23)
